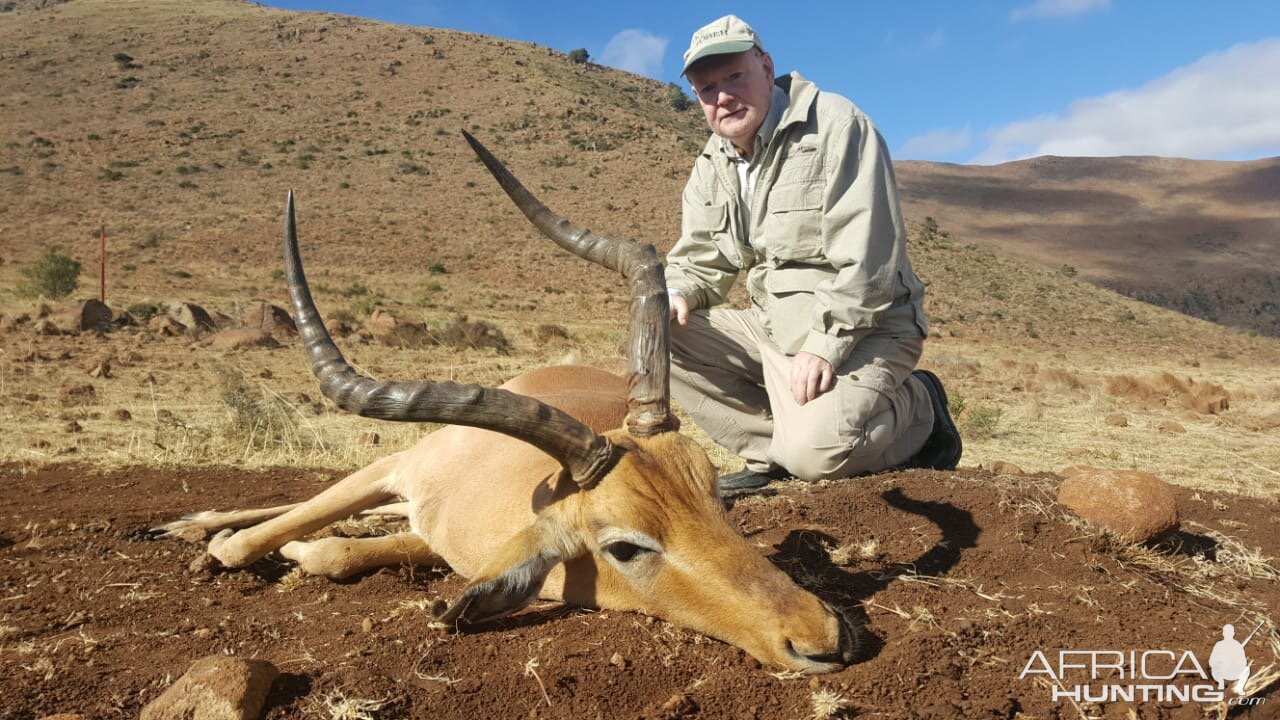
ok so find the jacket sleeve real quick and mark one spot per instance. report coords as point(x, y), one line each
point(696, 267)
point(863, 239)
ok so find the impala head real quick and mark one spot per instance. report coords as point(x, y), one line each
point(633, 517)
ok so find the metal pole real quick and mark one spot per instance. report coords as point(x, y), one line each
point(102, 266)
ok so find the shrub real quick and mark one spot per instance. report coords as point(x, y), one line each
point(579, 56)
point(144, 311)
point(677, 99)
point(54, 275)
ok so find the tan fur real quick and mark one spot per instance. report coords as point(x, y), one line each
point(501, 513)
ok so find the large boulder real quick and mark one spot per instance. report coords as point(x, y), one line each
point(85, 316)
point(193, 317)
point(269, 318)
point(1137, 506)
point(216, 687)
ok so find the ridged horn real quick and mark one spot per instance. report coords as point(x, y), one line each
point(586, 455)
point(648, 375)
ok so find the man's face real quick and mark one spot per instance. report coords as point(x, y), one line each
point(734, 93)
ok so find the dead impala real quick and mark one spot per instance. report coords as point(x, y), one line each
point(539, 487)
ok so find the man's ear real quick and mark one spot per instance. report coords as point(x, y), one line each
point(513, 577)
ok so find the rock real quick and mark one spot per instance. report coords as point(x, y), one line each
point(78, 394)
point(86, 316)
point(216, 687)
point(1171, 426)
point(1116, 420)
point(240, 338)
point(121, 415)
point(382, 322)
point(369, 438)
point(45, 326)
point(192, 317)
point(222, 320)
point(166, 326)
point(101, 367)
point(270, 319)
point(1137, 506)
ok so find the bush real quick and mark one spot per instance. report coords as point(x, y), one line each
point(54, 275)
point(144, 311)
point(579, 56)
point(677, 99)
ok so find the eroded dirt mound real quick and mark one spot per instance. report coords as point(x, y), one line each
point(959, 577)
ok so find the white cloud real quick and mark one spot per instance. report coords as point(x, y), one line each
point(636, 51)
point(1223, 105)
point(935, 145)
point(1057, 9)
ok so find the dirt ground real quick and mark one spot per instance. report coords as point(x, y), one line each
point(959, 578)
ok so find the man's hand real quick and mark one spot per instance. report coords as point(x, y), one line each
point(679, 308)
point(810, 377)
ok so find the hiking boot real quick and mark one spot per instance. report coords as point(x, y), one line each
point(942, 449)
point(747, 480)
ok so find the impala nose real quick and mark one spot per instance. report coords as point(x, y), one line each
point(848, 644)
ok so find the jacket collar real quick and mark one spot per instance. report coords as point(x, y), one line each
point(802, 94)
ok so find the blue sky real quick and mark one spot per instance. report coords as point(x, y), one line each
point(969, 82)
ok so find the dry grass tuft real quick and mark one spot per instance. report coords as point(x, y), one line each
point(827, 704)
point(337, 705)
point(261, 419)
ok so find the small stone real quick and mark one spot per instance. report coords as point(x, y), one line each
point(216, 686)
point(1137, 506)
point(72, 427)
point(1116, 420)
point(367, 625)
point(1171, 426)
point(204, 564)
point(121, 414)
point(617, 660)
point(369, 438)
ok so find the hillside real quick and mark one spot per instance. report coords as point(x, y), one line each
point(1198, 237)
point(181, 125)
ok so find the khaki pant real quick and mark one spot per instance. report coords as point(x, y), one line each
point(736, 384)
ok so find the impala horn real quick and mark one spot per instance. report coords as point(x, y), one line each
point(648, 374)
point(586, 455)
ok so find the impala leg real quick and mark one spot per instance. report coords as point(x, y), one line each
point(197, 526)
point(358, 491)
point(338, 557)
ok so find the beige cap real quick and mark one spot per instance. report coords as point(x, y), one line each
point(728, 34)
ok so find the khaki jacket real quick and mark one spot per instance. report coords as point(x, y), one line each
point(826, 258)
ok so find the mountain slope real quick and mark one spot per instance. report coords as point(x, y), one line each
point(1199, 237)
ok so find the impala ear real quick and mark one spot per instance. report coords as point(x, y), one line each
point(512, 578)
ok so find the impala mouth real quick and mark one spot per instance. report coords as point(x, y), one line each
point(844, 655)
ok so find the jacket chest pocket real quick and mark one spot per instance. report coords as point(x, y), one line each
point(715, 220)
point(793, 221)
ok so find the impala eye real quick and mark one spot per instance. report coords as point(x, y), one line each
point(623, 551)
